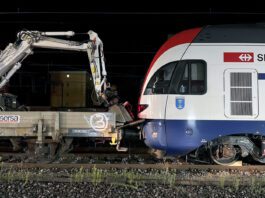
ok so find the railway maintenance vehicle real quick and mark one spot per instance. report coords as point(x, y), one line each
point(45, 134)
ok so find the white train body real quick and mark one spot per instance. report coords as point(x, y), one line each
point(205, 83)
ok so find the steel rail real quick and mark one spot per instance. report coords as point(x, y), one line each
point(133, 166)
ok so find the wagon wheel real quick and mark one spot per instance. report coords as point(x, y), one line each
point(224, 154)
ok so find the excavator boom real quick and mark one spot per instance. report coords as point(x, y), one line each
point(13, 55)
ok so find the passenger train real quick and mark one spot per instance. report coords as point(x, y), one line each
point(204, 94)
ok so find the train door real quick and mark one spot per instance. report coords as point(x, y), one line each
point(186, 101)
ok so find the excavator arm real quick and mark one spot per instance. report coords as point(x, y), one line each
point(13, 55)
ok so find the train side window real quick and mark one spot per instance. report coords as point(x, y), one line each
point(160, 81)
point(189, 78)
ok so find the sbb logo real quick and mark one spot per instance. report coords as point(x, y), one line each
point(238, 57)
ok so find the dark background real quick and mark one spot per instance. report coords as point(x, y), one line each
point(131, 31)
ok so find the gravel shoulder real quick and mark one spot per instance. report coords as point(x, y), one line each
point(83, 182)
point(50, 189)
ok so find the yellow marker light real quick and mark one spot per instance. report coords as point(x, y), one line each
point(93, 69)
point(113, 141)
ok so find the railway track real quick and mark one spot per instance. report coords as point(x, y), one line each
point(158, 166)
point(99, 155)
point(83, 156)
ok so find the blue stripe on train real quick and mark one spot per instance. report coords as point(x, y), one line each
point(179, 137)
point(261, 76)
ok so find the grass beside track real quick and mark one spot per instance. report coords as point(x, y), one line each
point(160, 166)
point(135, 175)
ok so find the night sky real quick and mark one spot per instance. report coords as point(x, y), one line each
point(131, 33)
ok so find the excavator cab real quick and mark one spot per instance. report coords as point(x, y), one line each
point(9, 102)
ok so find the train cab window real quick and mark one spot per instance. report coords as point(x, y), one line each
point(160, 81)
point(189, 78)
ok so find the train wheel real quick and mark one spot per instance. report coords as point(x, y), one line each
point(159, 154)
point(16, 144)
point(66, 145)
point(224, 154)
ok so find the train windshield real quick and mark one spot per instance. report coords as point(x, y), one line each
point(160, 81)
point(181, 77)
